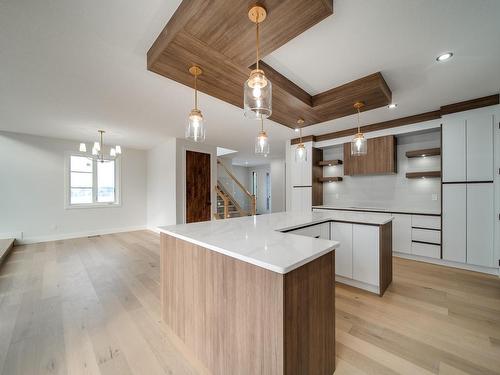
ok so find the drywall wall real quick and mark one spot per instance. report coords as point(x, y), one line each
point(389, 191)
point(161, 186)
point(32, 192)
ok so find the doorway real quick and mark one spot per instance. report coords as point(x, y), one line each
point(198, 192)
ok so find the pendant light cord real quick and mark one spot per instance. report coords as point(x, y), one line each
point(359, 113)
point(195, 91)
point(258, 44)
point(261, 124)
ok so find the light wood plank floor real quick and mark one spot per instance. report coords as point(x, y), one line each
point(91, 306)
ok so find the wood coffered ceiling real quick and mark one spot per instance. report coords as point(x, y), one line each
point(218, 36)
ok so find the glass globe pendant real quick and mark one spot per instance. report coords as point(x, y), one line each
point(195, 129)
point(257, 90)
point(359, 145)
point(262, 141)
point(300, 150)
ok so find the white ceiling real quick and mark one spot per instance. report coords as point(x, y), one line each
point(71, 67)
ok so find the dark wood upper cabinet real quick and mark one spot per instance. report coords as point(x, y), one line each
point(380, 159)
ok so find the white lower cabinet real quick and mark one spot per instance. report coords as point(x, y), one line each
point(365, 254)
point(401, 233)
point(480, 219)
point(342, 232)
point(317, 231)
point(454, 222)
point(301, 198)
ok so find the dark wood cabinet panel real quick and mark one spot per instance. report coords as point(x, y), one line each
point(317, 174)
point(380, 159)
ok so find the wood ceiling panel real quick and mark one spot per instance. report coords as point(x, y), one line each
point(218, 36)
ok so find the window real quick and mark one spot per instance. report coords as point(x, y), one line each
point(92, 182)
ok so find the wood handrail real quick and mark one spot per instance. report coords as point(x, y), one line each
point(224, 197)
point(235, 179)
point(252, 197)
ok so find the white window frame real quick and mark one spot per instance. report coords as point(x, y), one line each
point(94, 204)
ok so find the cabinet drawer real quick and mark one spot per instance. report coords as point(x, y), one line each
point(422, 221)
point(426, 235)
point(426, 250)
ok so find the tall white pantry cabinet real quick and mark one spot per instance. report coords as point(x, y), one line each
point(470, 170)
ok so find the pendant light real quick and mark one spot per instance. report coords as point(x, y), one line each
point(195, 129)
point(359, 145)
point(257, 91)
point(300, 150)
point(262, 141)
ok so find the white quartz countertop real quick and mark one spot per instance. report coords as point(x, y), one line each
point(405, 210)
point(259, 240)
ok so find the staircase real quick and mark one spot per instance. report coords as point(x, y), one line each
point(233, 199)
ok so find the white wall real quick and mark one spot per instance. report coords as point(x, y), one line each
point(182, 146)
point(389, 191)
point(161, 185)
point(32, 192)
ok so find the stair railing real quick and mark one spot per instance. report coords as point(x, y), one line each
point(225, 199)
point(252, 206)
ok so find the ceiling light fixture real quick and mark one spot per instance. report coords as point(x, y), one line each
point(296, 130)
point(300, 150)
point(392, 106)
point(195, 129)
point(445, 56)
point(358, 144)
point(98, 149)
point(257, 90)
point(262, 141)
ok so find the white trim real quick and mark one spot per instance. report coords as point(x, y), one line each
point(447, 263)
point(67, 236)
point(358, 284)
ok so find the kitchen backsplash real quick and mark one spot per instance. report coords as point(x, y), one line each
point(389, 191)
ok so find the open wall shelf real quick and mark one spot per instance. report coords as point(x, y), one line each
point(325, 163)
point(423, 152)
point(330, 179)
point(428, 174)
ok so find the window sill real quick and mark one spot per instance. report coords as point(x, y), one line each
point(91, 205)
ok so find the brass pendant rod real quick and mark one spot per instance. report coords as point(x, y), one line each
point(358, 121)
point(261, 124)
point(258, 44)
point(195, 91)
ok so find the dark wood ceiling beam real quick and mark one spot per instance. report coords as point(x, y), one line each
point(218, 36)
point(427, 116)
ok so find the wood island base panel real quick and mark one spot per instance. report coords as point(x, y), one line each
point(238, 318)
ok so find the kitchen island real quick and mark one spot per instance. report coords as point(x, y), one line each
point(247, 295)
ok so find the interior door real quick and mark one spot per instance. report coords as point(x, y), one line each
point(198, 202)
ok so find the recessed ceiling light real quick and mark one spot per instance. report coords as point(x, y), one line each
point(296, 130)
point(392, 106)
point(445, 56)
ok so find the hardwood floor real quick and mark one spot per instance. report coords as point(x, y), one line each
point(91, 306)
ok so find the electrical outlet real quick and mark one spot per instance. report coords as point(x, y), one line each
point(434, 197)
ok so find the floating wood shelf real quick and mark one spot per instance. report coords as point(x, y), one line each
point(429, 174)
point(423, 152)
point(330, 162)
point(330, 179)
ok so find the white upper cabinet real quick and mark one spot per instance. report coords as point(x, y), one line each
point(454, 222)
point(480, 219)
point(301, 172)
point(467, 153)
point(480, 147)
point(454, 150)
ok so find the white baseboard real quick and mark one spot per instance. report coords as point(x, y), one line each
point(358, 284)
point(447, 263)
point(67, 236)
point(154, 229)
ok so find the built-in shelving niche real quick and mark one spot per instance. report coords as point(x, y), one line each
point(428, 174)
point(329, 163)
point(423, 152)
point(330, 179)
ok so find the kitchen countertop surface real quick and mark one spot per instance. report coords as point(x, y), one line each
point(259, 240)
point(416, 211)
